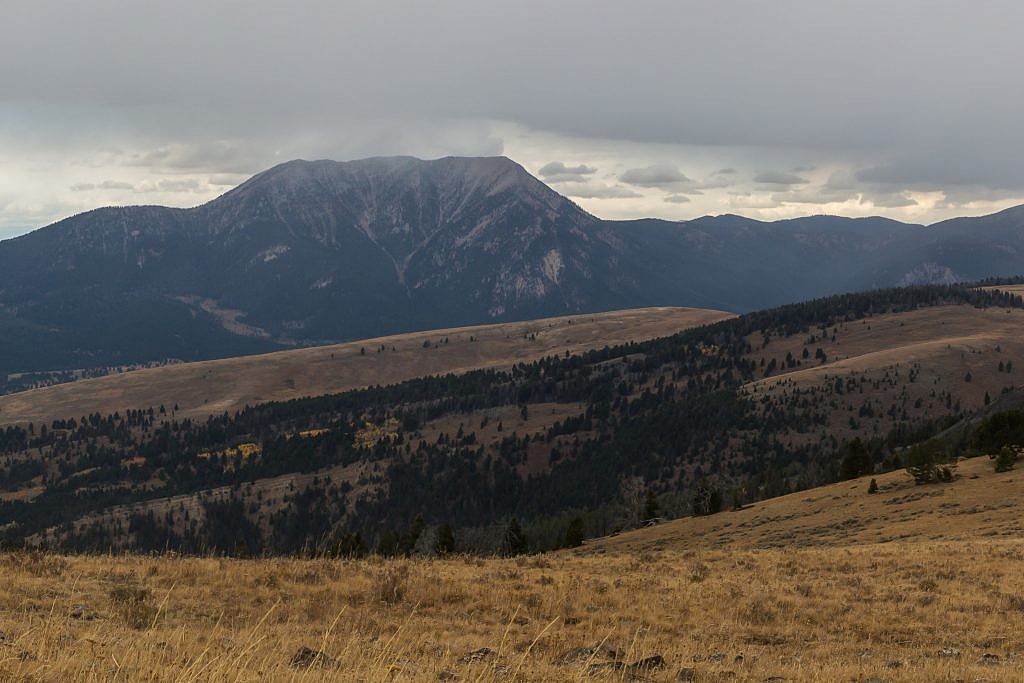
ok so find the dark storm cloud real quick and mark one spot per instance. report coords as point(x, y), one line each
point(915, 74)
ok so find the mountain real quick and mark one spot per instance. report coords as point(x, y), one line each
point(322, 251)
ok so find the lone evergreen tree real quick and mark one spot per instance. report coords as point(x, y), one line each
point(574, 533)
point(923, 463)
point(707, 500)
point(514, 542)
point(349, 546)
point(412, 535)
point(388, 543)
point(1005, 459)
point(445, 543)
point(856, 461)
point(651, 506)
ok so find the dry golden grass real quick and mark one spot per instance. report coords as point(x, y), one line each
point(209, 387)
point(796, 587)
point(828, 614)
point(979, 504)
point(1009, 289)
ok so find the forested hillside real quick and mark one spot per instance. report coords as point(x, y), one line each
point(537, 456)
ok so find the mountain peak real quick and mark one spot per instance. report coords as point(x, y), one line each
point(364, 186)
point(483, 168)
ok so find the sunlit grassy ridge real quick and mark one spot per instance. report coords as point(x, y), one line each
point(209, 387)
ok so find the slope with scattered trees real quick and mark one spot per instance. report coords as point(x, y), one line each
point(537, 456)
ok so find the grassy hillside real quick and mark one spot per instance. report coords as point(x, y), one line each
point(732, 413)
point(209, 387)
point(896, 367)
point(1016, 289)
point(979, 504)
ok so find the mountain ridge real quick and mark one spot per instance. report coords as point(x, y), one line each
point(312, 252)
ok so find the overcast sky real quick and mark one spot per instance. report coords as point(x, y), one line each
point(908, 109)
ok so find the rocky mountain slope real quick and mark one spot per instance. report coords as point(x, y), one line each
point(313, 252)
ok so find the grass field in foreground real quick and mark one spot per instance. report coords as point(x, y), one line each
point(900, 611)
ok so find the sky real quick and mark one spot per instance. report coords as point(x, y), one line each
point(910, 109)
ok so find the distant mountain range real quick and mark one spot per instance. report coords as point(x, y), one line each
point(311, 252)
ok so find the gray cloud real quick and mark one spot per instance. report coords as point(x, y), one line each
point(184, 185)
point(751, 200)
point(558, 172)
point(843, 179)
point(818, 195)
point(838, 190)
point(958, 197)
point(717, 180)
point(779, 178)
point(892, 201)
point(168, 185)
point(928, 109)
point(115, 185)
point(228, 157)
point(661, 176)
point(226, 179)
point(105, 185)
point(597, 191)
point(677, 199)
